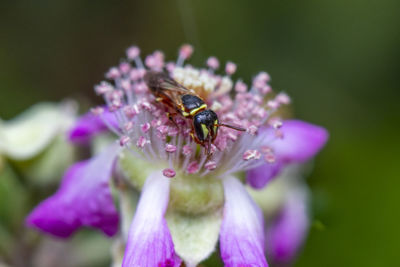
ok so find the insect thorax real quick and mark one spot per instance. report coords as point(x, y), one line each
point(192, 104)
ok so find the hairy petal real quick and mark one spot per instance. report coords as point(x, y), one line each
point(287, 233)
point(89, 125)
point(242, 230)
point(31, 132)
point(83, 199)
point(301, 141)
point(149, 241)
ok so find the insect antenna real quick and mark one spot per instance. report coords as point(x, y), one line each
point(237, 128)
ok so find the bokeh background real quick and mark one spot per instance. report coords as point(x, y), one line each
point(339, 60)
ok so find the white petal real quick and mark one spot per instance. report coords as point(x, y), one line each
point(28, 134)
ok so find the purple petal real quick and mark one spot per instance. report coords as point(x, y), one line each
point(90, 125)
point(83, 199)
point(149, 241)
point(287, 233)
point(301, 141)
point(242, 229)
point(260, 176)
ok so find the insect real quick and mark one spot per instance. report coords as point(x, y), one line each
point(187, 103)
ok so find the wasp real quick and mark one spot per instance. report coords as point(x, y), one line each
point(188, 104)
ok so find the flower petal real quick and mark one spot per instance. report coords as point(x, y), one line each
point(89, 125)
point(194, 236)
point(242, 230)
point(288, 231)
point(301, 141)
point(260, 176)
point(32, 131)
point(83, 199)
point(149, 242)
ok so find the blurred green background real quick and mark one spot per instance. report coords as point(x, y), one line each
point(339, 60)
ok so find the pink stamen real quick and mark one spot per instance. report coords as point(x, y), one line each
point(270, 158)
point(187, 150)
point(128, 126)
point(133, 52)
point(230, 68)
point(126, 85)
point(113, 73)
point(169, 173)
point(170, 148)
point(155, 60)
point(186, 51)
point(141, 142)
point(193, 167)
point(97, 110)
point(103, 88)
point(131, 111)
point(273, 104)
point(145, 127)
point(251, 154)
point(213, 63)
point(240, 87)
point(282, 98)
point(210, 165)
point(124, 140)
point(124, 67)
point(252, 129)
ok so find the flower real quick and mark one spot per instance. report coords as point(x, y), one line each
point(188, 199)
point(32, 141)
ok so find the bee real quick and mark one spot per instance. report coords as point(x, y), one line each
point(188, 104)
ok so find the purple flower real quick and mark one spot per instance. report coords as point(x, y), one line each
point(299, 142)
point(159, 156)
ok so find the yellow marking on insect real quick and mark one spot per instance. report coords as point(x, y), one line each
point(205, 130)
point(215, 126)
point(185, 114)
point(194, 111)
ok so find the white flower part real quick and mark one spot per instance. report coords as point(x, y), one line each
point(194, 236)
point(32, 131)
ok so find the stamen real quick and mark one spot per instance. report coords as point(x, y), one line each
point(230, 68)
point(193, 167)
point(169, 173)
point(141, 142)
point(282, 98)
point(124, 140)
point(145, 127)
point(113, 73)
point(187, 150)
point(103, 88)
point(184, 53)
point(170, 148)
point(270, 158)
point(128, 126)
point(252, 129)
point(132, 52)
point(97, 111)
point(251, 154)
point(124, 67)
point(210, 165)
point(240, 87)
point(213, 63)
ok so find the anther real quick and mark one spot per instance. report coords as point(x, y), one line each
point(169, 173)
point(251, 154)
